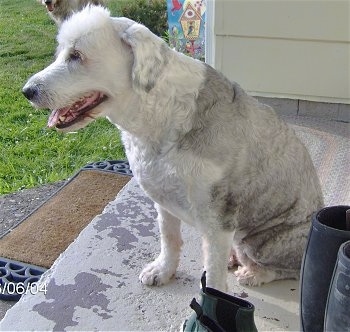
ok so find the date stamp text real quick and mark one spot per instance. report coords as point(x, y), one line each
point(21, 288)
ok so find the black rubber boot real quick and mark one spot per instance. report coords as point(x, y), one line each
point(220, 312)
point(337, 316)
point(328, 232)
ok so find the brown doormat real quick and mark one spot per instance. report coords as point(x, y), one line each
point(44, 234)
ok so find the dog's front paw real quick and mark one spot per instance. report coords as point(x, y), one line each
point(156, 273)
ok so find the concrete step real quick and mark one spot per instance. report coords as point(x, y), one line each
point(94, 284)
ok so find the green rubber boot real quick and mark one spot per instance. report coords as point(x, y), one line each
point(220, 312)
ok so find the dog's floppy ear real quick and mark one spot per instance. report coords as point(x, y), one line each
point(122, 23)
point(150, 56)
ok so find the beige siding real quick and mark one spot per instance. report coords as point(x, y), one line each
point(294, 49)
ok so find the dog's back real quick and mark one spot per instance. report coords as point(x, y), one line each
point(270, 187)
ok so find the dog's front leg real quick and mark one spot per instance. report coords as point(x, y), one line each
point(216, 251)
point(164, 267)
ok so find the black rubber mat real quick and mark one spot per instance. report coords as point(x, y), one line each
point(17, 278)
point(117, 166)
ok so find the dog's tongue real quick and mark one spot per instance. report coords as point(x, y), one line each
point(53, 118)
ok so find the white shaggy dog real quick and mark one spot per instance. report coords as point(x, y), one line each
point(199, 146)
point(60, 10)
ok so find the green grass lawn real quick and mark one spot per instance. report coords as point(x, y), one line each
point(32, 154)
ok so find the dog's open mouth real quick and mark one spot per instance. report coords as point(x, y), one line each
point(67, 116)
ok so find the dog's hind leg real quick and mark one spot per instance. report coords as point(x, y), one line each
point(250, 273)
point(164, 267)
point(216, 249)
point(271, 255)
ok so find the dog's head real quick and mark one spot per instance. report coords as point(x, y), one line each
point(50, 4)
point(100, 62)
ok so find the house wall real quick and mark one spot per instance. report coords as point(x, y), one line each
point(283, 48)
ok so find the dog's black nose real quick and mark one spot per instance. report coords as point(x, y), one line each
point(48, 2)
point(30, 92)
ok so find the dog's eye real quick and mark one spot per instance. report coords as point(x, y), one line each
point(75, 56)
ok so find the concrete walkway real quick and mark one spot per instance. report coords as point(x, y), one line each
point(94, 284)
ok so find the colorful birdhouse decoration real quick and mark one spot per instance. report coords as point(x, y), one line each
point(190, 22)
point(186, 27)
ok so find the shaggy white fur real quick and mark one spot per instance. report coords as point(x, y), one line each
point(206, 152)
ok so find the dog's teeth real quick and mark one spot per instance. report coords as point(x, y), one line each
point(62, 118)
